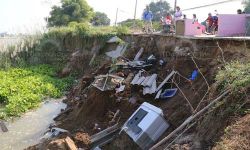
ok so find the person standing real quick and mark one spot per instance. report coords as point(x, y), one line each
point(239, 11)
point(195, 19)
point(184, 16)
point(215, 23)
point(209, 23)
point(167, 23)
point(178, 13)
point(147, 17)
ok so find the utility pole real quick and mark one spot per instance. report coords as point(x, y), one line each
point(116, 17)
point(175, 3)
point(135, 13)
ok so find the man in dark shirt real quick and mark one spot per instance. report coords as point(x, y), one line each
point(209, 23)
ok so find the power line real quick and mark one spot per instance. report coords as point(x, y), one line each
point(210, 5)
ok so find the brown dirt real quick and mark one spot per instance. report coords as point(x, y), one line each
point(89, 110)
point(82, 139)
point(237, 136)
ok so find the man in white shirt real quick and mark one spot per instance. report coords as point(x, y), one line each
point(178, 13)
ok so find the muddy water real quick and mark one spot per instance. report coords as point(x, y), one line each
point(28, 129)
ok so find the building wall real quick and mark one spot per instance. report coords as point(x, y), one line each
point(192, 29)
point(232, 25)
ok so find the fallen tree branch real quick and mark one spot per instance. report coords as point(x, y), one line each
point(188, 120)
point(208, 87)
point(222, 53)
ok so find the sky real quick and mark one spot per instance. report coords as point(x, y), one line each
point(25, 16)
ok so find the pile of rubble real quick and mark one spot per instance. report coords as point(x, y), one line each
point(106, 105)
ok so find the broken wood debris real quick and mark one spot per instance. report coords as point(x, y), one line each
point(70, 143)
point(107, 82)
point(189, 120)
point(104, 136)
point(114, 117)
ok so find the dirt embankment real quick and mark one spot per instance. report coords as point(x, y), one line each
point(90, 110)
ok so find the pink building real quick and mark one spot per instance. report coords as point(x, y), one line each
point(232, 25)
point(228, 25)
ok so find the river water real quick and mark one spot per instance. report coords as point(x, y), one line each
point(28, 130)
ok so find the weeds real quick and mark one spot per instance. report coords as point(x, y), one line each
point(235, 75)
point(22, 89)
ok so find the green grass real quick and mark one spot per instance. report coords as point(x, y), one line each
point(86, 31)
point(235, 76)
point(22, 89)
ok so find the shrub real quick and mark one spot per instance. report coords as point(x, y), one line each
point(235, 75)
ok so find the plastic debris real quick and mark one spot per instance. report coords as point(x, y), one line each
point(194, 75)
point(146, 125)
point(168, 93)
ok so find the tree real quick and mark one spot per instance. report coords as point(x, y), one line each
point(247, 6)
point(70, 11)
point(130, 23)
point(159, 9)
point(100, 19)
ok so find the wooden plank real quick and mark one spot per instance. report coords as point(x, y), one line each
point(103, 133)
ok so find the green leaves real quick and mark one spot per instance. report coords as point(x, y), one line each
point(236, 75)
point(22, 89)
point(159, 9)
point(71, 10)
point(100, 19)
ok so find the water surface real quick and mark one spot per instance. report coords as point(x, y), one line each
point(28, 130)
